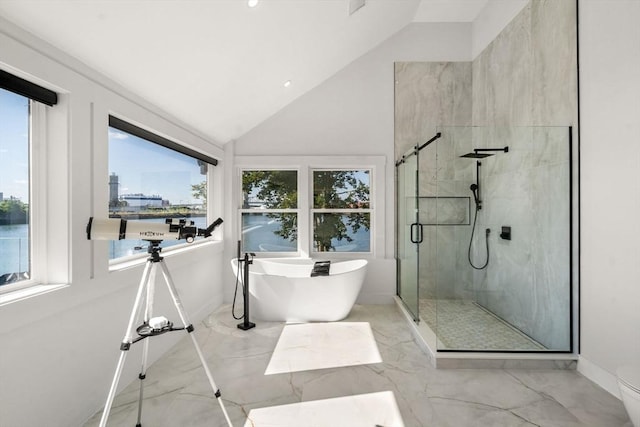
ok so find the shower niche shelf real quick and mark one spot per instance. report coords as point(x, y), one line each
point(449, 210)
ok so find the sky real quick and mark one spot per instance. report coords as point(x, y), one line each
point(148, 168)
point(142, 166)
point(14, 154)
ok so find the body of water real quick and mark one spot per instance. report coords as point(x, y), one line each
point(14, 245)
point(259, 235)
point(14, 248)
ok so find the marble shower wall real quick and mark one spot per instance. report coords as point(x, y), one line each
point(527, 281)
point(519, 87)
point(524, 82)
point(527, 75)
point(428, 94)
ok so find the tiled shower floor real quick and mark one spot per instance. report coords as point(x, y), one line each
point(464, 325)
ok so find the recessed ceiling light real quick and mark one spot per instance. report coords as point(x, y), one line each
point(287, 83)
point(252, 3)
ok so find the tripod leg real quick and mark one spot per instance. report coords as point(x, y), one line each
point(148, 313)
point(124, 347)
point(112, 390)
point(189, 328)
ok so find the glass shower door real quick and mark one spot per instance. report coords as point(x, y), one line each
point(409, 233)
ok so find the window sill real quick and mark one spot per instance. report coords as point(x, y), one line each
point(25, 293)
point(141, 259)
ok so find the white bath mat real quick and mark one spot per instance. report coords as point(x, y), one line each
point(309, 346)
point(363, 410)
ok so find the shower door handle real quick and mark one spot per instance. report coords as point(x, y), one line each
point(418, 227)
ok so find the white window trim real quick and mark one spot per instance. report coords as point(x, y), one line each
point(370, 210)
point(297, 211)
point(37, 202)
point(48, 205)
point(305, 165)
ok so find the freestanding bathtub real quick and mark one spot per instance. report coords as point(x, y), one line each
point(282, 289)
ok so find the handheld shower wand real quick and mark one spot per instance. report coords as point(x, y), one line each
point(476, 196)
point(474, 190)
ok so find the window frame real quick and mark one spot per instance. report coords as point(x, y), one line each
point(305, 165)
point(37, 199)
point(370, 210)
point(296, 211)
point(124, 262)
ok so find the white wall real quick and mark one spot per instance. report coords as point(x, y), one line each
point(352, 113)
point(59, 350)
point(610, 187)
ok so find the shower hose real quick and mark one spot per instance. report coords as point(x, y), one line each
point(486, 239)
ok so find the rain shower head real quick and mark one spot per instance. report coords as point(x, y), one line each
point(476, 155)
point(481, 153)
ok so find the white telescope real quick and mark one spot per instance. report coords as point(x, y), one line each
point(119, 229)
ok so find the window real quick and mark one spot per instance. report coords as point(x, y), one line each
point(15, 197)
point(23, 182)
point(269, 214)
point(150, 181)
point(341, 211)
point(310, 206)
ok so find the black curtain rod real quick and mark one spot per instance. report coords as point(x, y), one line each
point(24, 87)
point(120, 124)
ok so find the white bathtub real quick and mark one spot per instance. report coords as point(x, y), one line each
point(282, 289)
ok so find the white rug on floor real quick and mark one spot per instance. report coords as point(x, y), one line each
point(309, 346)
point(363, 410)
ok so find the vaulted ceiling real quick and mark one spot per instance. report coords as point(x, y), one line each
point(220, 66)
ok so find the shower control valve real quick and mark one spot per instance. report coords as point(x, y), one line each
point(506, 233)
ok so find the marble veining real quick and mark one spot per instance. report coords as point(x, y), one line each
point(178, 393)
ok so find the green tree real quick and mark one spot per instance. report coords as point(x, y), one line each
point(199, 192)
point(332, 190)
point(274, 190)
point(13, 211)
point(338, 190)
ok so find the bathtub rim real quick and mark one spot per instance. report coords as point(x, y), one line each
point(363, 264)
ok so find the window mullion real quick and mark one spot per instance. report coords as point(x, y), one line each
point(38, 198)
point(304, 220)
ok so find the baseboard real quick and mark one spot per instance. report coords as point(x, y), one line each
point(206, 309)
point(375, 299)
point(601, 377)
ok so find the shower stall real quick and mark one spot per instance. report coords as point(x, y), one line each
point(484, 245)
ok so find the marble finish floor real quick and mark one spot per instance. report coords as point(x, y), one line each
point(464, 325)
point(313, 346)
point(360, 410)
point(178, 393)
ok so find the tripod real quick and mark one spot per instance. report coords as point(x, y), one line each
point(153, 326)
